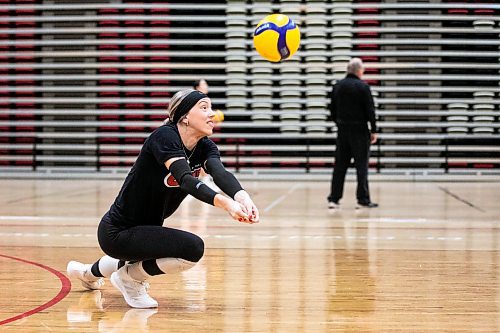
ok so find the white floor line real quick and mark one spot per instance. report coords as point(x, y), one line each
point(46, 218)
point(278, 200)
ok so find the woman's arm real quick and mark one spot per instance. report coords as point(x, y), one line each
point(180, 170)
point(228, 183)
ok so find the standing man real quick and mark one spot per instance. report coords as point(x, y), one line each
point(352, 108)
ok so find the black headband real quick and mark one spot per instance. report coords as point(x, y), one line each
point(186, 104)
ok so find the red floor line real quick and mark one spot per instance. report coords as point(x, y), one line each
point(65, 289)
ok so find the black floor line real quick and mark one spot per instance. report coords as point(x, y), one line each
point(468, 203)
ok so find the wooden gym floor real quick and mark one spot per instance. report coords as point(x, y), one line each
point(427, 260)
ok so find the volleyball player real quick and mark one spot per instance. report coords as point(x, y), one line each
point(131, 233)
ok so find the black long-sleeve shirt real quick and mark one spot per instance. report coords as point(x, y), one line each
point(351, 103)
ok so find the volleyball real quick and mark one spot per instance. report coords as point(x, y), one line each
point(276, 37)
point(219, 116)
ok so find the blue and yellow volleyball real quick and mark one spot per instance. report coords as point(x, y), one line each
point(276, 37)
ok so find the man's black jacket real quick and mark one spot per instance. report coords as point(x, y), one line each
point(351, 103)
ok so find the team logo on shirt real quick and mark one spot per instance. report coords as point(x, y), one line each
point(170, 181)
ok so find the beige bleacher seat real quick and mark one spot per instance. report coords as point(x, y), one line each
point(483, 24)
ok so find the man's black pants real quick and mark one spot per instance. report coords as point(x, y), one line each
point(352, 142)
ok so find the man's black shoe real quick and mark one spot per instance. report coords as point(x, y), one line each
point(367, 205)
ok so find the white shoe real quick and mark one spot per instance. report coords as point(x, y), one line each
point(78, 270)
point(134, 292)
point(333, 205)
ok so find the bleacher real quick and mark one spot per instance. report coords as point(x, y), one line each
point(83, 84)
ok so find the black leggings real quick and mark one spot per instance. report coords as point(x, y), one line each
point(147, 242)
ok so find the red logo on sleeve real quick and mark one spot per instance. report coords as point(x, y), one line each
point(170, 181)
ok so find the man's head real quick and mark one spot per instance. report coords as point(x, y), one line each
point(201, 85)
point(355, 67)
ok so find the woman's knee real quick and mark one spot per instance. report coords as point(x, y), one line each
point(195, 249)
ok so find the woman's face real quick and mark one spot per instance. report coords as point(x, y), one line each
point(200, 117)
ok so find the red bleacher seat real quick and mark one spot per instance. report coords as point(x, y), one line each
point(367, 34)
point(290, 164)
point(24, 47)
point(21, 58)
point(160, 94)
point(457, 11)
point(134, 47)
point(109, 71)
point(134, 58)
point(24, 12)
point(109, 82)
point(24, 36)
point(367, 47)
point(24, 105)
point(369, 70)
point(136, 94)
point(24, 70)
point(109, 59)
point(484, 11)
point(158, 106)
point(159, 71)
point(368, 23)
point(133, 35)
point(108, 35)
point(111, 47)
point(134, 83)
point(134, 70)
point(25, 25)
point(160, 11)
point(370, 59)
point(159, 35)
point(26, 94)
point(133, 11)
point(159, 46)
point(108, 11)
point(159, 59)
point(367, 11)
point(109, 94)
point(159, 23)
point(133, 24)
point(158, 117)
point(109, 23)
point(161, 83)
point(483, 165)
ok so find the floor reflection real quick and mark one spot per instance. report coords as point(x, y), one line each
point(90, 310)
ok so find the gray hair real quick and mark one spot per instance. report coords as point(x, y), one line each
point(354, 66)
point(176, 100)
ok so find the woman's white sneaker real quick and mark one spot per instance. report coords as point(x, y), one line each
point(134, 292)
point(80, 271)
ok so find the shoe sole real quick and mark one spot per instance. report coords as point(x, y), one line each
point(115, 282)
